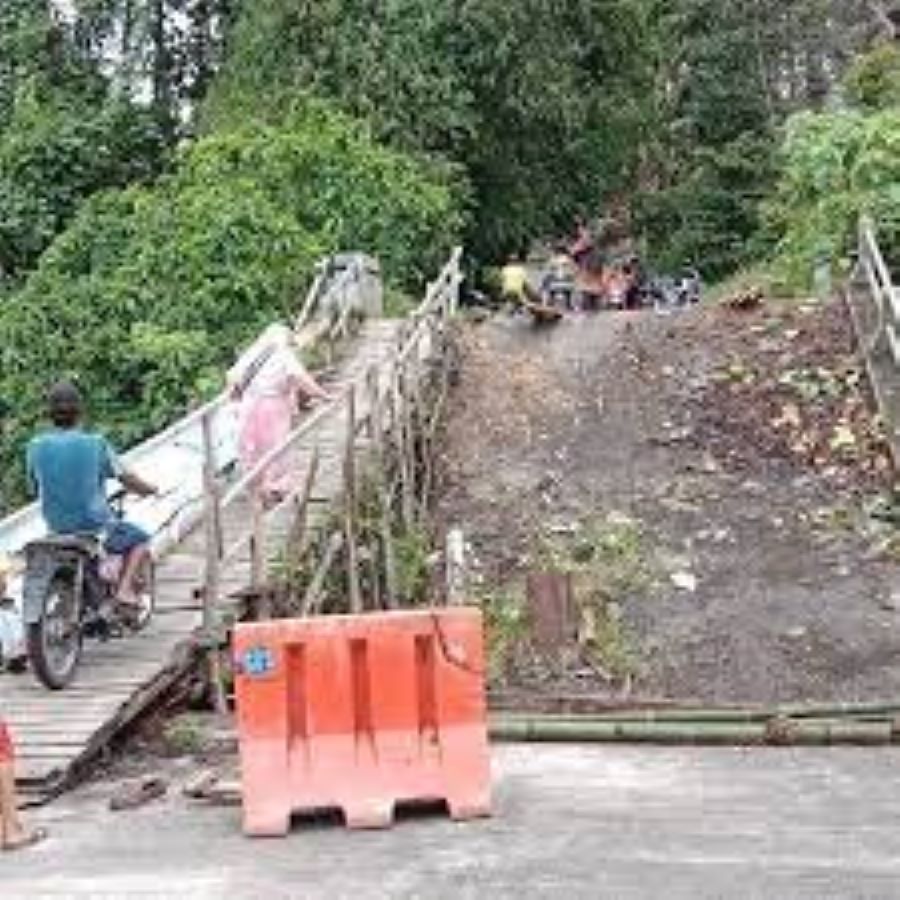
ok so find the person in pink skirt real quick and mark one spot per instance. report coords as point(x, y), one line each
point(268, 383)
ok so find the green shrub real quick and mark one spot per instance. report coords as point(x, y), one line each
point(147, 296)
point(873, 82)
point(835, 167)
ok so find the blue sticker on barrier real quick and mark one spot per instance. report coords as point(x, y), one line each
point(258, 662)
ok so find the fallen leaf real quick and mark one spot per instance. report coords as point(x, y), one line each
point(685, 581)
point(789, 417)
point(843, 439)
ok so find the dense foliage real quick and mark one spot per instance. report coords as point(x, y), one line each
point(145, 298)
point(538, 102)
point(730, 74)
point(838, 165)
point(66, 131)
point(666, 114)
point(169, 169)
point(54, 155)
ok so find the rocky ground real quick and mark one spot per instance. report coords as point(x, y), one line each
point(712, 479)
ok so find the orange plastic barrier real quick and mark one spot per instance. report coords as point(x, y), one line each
point(360, 713)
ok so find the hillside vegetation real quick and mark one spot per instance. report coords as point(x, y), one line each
point(171, 169)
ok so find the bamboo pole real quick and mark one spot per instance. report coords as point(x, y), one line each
point(401, 426)
point(723, 716)
point(310, 603)
point(384, 499)
point(257, 538)
point(433, 423)
point(353, 580)
point(374, 577)
point(455, 564)
point(212, 574)
point(542, 729)
point(258, 552)
point(418, 441)
point(301, 531)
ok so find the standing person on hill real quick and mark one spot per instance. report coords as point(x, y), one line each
point(514, 280)
point(268, 383)
point(14, 835)
point(558, 283)
point(582, 249)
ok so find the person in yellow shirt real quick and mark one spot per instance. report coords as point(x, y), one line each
point(514, 281)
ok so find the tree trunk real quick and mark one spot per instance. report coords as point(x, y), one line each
point(161, 73)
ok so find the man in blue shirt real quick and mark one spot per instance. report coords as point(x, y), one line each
point(68, 469)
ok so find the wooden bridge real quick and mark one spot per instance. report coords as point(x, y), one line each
point(238, 546)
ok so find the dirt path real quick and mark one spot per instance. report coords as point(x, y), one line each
point(719, 440)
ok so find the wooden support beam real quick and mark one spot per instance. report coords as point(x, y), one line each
point(350, 511)
point(301, 519)
point(312, 598)
point(212, 574)
point(384, 499)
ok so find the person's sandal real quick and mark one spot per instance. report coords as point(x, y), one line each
point(33, 837)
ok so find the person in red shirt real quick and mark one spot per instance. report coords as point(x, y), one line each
point(14, 835)
point(582, 249)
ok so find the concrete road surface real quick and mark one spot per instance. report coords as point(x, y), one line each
point(571, 822)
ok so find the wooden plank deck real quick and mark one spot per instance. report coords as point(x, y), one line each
point(57, 734)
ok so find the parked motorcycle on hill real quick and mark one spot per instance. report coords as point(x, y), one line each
point(665, 293)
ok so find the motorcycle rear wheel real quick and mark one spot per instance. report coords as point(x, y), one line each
point(55, 640)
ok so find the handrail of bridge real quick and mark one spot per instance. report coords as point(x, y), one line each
point(872, 267)
point(440, 303)
point(877, 324)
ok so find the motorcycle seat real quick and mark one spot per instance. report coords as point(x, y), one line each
point(81, 543)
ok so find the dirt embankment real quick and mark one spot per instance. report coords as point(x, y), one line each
point(708, 477)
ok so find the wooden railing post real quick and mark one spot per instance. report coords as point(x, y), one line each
point(258, 549)
point(381, 485)
point(301, 532)
point(353, 580)
point(455, 564)
point(212, 574)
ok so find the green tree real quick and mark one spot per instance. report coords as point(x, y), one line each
point(55, 153)
point(538, 102)
point(730, 72)
point(873, 81)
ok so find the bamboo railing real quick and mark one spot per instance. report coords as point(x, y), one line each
point(386, 423)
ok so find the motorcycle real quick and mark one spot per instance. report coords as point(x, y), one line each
point(69, 594)
point(560, 295)
point(666, 293)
